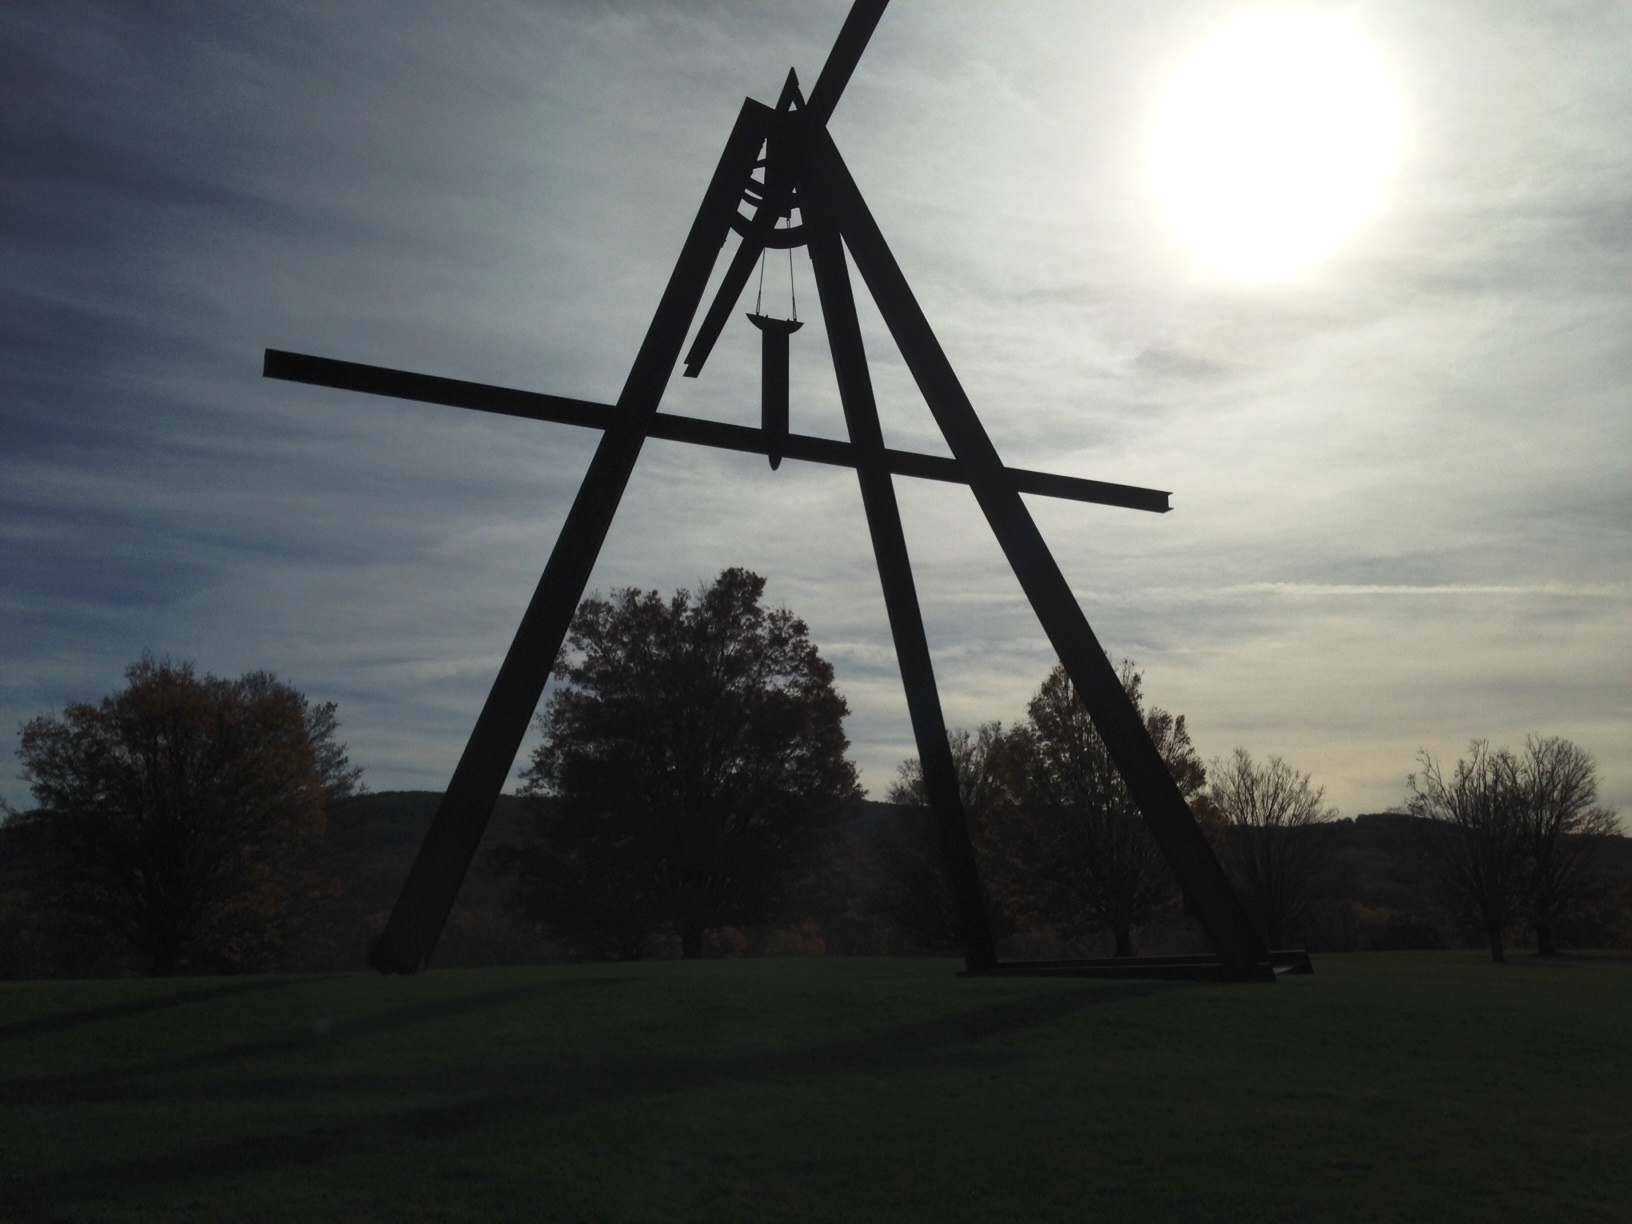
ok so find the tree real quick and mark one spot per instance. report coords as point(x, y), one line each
point(1078, 846)
point(910, 885)
point(1268, 808)
point(1557, 784)
point(171, 813)
point(1477, 836)
point(692, 772)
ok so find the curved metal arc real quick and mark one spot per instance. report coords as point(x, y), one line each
point(761, 231)
point(776, 193)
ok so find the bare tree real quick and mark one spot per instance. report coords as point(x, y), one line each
point(1478, 833)
point(1558, 785)
point(1269, 808)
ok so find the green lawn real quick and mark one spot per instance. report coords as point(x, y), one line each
point(1426, 1086)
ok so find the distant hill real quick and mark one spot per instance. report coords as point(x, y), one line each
point(371, 842)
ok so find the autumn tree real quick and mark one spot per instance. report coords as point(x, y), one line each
point(1268, 807)
point(1557, 783)
point(1476, 833)
point(692, 770)
point(1077, 844)
point(910, 884)
point(171, 813)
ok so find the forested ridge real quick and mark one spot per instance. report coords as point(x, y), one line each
point(1377, 891)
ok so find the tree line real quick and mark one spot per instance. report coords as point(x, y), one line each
point(692, 791)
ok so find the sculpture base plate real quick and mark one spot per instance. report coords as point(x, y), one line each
point(1196, 968)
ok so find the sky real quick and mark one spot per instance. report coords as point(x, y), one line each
point(1402, 508)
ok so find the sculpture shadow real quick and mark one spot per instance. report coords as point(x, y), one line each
point(503, 1095)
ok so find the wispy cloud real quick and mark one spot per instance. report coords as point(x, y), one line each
point(1400, 483)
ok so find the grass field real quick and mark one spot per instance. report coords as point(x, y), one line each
point(1426, 1086)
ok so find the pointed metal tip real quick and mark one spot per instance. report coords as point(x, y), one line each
point(790, 98)
point(776, 462)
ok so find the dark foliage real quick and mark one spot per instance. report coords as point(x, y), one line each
point(175, 818)
point(1075, 853)
point(692, 773)
point(908, 883)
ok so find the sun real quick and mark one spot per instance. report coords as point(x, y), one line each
point(1274, 141)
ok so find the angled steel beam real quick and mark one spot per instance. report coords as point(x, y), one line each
point(1170, 820)
point(853, 37)
point(900, 593)
point(444, 857)
point(535, 406)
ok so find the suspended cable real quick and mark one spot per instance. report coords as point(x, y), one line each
point(793, 295)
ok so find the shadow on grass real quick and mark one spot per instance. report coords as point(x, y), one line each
point(507, 1093)
point(136, 1084)
point(57, 1021)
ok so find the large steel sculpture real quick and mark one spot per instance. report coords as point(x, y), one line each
point(780, 160)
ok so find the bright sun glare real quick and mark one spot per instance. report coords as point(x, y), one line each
point(1273, 142)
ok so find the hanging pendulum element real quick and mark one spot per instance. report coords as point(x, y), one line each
point(773, 393)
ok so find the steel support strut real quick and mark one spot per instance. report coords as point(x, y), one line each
point(444, 857)
point(1169, 818)
point(535, 406)
point(900, 594)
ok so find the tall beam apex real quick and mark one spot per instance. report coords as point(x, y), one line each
point(842, 59)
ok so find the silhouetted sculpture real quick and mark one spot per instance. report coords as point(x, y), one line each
point(802, 171)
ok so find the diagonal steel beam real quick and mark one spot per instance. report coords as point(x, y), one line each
point(535, 406)
point(1171, 822)
point(450, 844)
point(853, 37)
point(940, 772)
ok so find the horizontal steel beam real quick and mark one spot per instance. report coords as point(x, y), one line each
point(535, 406)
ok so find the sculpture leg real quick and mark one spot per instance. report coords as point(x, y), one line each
point(900, 595)
point(1168, 816)
point(444, 857)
